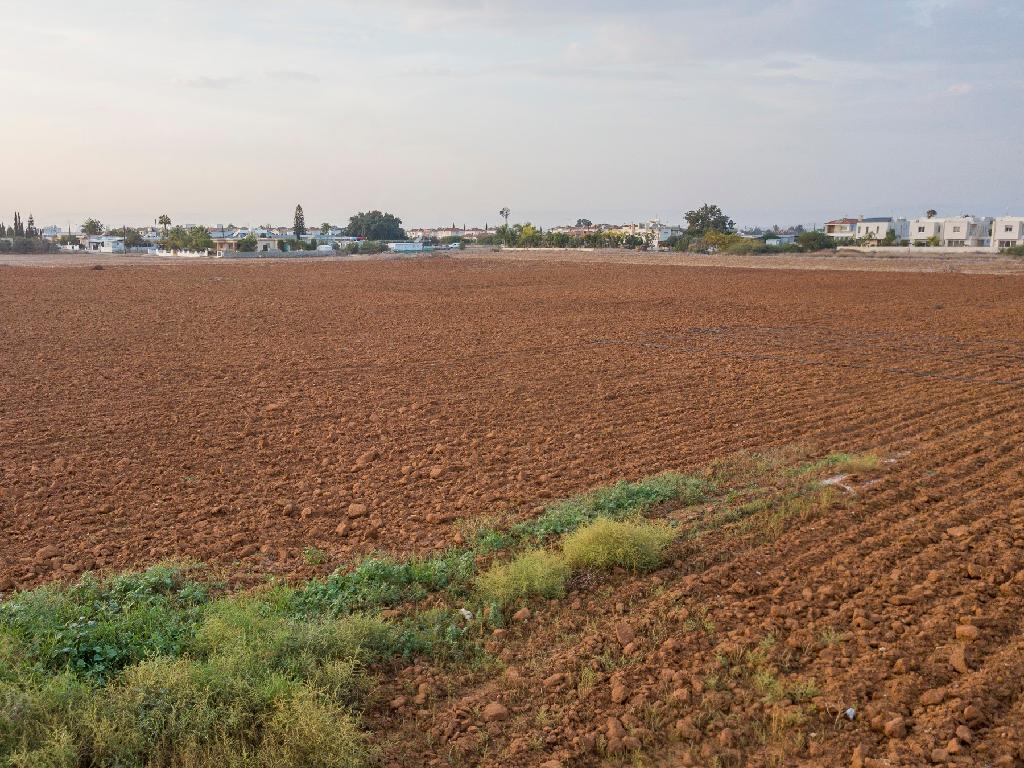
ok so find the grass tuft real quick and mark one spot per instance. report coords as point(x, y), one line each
point(535, 572)
point(632, 544)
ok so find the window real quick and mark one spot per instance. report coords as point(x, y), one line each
point(1008, 228)
point(956, 229)
point(920, 229)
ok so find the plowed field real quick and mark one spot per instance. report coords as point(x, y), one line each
point(241, 413)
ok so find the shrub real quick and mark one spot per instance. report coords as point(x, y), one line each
point(306, 732)
point(535, 572)
point(632, 544)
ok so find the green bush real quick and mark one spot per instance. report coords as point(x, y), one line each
point(815, 241)
point(382, 582)
point(97, 628)
point(624, 499)
point(536, 572)
point(632, 544)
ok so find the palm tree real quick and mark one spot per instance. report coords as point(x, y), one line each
point(505, 213)
point(164, 221)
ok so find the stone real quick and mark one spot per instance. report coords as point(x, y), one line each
point(615, 729)
point(958, 659)
point(932, 697)
point(495, 712)
point(523, 614)
point(973, 715)
point(356, 510)
point(895, 728)
point(619, 693)
point(367, 458)
point(624, 633)
point(967, 632)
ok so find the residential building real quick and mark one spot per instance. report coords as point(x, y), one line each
point(105, 244)
point(924, 229)
point(666, 233)
point(777, 240)
point(967, 232)
point(228, 245)
point(878, 228)
point(1008, 231)
point(841, 229)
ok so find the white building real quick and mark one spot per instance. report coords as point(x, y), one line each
point(105, 244)
point(967, 232)
point(879, 227)
point(841, 229)
point(1007, 231)
point(666, 233)
point(924, 229)
point(405, 247)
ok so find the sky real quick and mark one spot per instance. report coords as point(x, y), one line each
point(444, 111)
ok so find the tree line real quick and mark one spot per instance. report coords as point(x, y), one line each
point(708, 230)
point(23, 237)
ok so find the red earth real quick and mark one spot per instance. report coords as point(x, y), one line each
point(238, 413)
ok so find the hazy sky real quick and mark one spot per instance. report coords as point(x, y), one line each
point(782, 111)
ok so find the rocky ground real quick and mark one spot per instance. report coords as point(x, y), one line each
point(240, 413)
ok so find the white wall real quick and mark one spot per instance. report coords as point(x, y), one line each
point(1016, 233)
point(932, 227)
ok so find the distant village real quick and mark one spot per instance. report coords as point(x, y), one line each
point(707, 230)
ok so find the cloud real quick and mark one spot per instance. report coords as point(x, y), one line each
point(960, 89)
point(205, 82)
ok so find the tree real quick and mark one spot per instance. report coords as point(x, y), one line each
point(505, 213)
point(375, 225)
point(708, 218)
point(164, 221)
point(191, 239)
point(325, 228)
point(132, 238)
point(19, 228)
point(30, 230)
point(92, 227)
point(584, 223)
point(932, 213)
point(248, 244)
point(300, 223)
point(815, 241)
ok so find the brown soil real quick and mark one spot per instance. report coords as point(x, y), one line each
point(235, 413)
